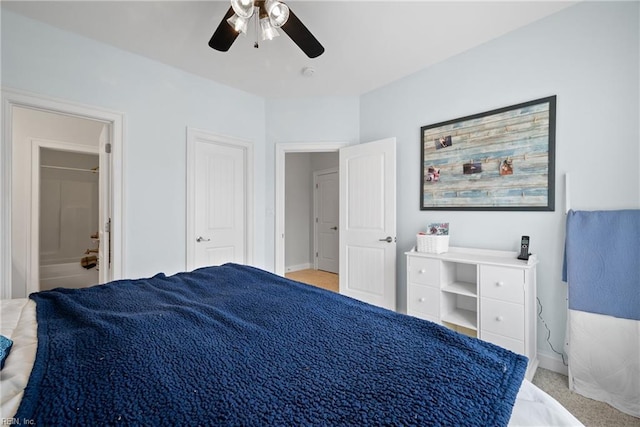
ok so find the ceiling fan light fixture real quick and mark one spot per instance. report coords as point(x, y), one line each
point(277, 11)
point(267, 30)
point(238, 23)
point(278, 15)
point(243, 8)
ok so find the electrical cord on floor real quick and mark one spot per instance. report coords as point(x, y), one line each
point(549, 333)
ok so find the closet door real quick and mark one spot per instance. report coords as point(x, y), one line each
point(218, 201)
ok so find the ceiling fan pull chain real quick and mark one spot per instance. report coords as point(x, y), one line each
point(256, 22)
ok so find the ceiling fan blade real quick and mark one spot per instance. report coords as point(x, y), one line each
point(301, 36)
point(225, 35)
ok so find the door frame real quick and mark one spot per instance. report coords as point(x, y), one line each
point(316, 209)
point(15, 98)
point(193, 136)
point(282, 149)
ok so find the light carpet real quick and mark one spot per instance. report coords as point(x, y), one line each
point(590, 412)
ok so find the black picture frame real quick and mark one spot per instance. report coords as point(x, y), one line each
point(498, 160)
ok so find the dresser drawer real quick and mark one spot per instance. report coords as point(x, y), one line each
point(516, 346)
point(424, 300)
point(424, 271)
point(502, 283)
point(502, 318)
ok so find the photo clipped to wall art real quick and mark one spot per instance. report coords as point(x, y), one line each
point(502, 160)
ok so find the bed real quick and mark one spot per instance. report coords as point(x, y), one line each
point(236, 345)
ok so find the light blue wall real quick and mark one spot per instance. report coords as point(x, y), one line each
point(158, 102)
point(313, 120)
point(587, 55)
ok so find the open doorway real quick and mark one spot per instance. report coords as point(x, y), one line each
point(56, 199)
point(311, 218)
point(53, 152)
point(367, 181)
point(68, 206)
point(298, 245)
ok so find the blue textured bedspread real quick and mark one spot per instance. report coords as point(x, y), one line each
point(234, 345)
point(602, 262)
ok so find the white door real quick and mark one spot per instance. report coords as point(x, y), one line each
point(104, 215)
point(368, 222)
point(326, 220)
point(218, 194)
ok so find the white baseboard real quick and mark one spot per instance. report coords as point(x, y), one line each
point(552, 362)
point(298, 267)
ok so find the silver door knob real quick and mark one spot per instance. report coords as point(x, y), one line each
point(389, 239)
point(202, 239)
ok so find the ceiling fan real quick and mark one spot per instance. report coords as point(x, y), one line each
point(271, 14)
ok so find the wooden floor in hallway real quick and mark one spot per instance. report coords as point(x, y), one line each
point(319, 278)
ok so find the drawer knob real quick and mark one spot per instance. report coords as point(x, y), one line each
point(500, 283)
point(422, 271)
point(422, 299)
point(499, 318)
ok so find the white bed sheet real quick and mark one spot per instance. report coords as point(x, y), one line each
point(533, 406)
point(17, 322)
point(604, 359)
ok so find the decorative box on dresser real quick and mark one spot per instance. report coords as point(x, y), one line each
point(487, 294)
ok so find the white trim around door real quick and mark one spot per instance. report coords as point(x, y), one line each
point(195, 136)
point(14, 98)
point(281, 151)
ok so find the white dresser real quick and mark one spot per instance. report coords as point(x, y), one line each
point(486, 294)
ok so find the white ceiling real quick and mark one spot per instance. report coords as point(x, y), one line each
point(367, 43)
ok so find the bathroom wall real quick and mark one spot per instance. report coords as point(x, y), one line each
point(68, 205)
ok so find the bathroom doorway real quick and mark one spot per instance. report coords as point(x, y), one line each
point(60, 197)
point(29, 117)
point(68, 205)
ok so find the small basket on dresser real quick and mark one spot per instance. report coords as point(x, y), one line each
point(432, 243)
